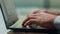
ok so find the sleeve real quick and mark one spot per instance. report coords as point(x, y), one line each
point(57, 22)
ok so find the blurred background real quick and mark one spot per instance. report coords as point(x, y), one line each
point(24, 7)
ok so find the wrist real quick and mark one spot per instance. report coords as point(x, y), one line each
point(52, 21)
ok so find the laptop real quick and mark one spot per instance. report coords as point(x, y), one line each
point(13, 19)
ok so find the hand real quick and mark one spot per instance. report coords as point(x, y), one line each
point(42, 18)
point(37, 13)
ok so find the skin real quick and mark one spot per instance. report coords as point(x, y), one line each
point(44, 18)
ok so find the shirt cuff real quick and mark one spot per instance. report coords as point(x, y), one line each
point(57, 22)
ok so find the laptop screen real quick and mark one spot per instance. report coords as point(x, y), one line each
point(9, 13)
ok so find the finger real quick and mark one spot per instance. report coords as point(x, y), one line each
point(28, 18)
point(32, 17)
point(29, 22)
point(25, 21)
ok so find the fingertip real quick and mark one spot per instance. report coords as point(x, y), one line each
point(27, 23)
point(24, 21)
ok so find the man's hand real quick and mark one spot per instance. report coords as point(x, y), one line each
point(43, 18)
